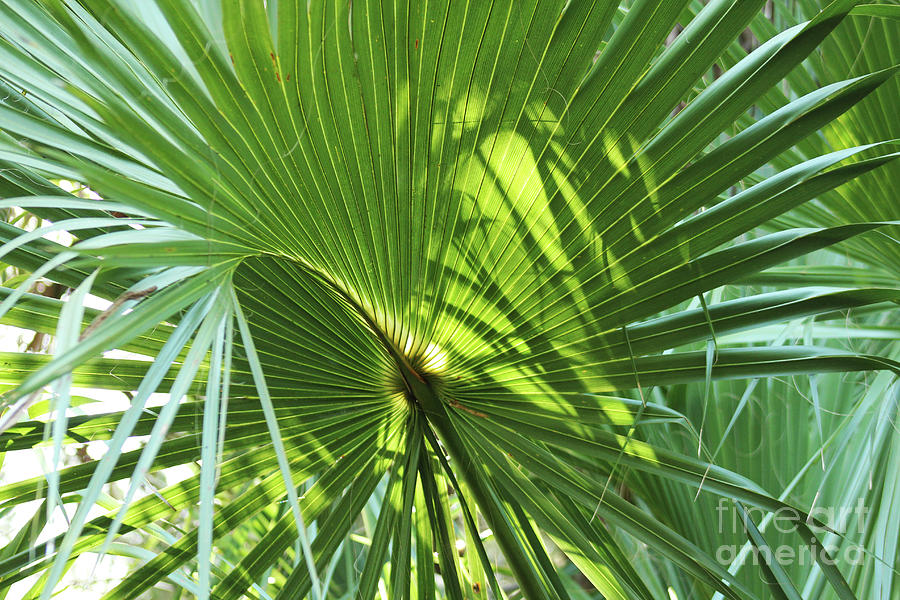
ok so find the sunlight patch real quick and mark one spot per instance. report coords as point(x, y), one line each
point(434, 359)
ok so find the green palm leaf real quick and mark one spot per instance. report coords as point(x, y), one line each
point(356, 236)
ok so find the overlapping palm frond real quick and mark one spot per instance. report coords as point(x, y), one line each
point(823, 441)
point(403, 264)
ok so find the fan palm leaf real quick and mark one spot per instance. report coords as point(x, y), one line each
point(394, 249)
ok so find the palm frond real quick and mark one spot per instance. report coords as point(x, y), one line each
point(396, 264)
